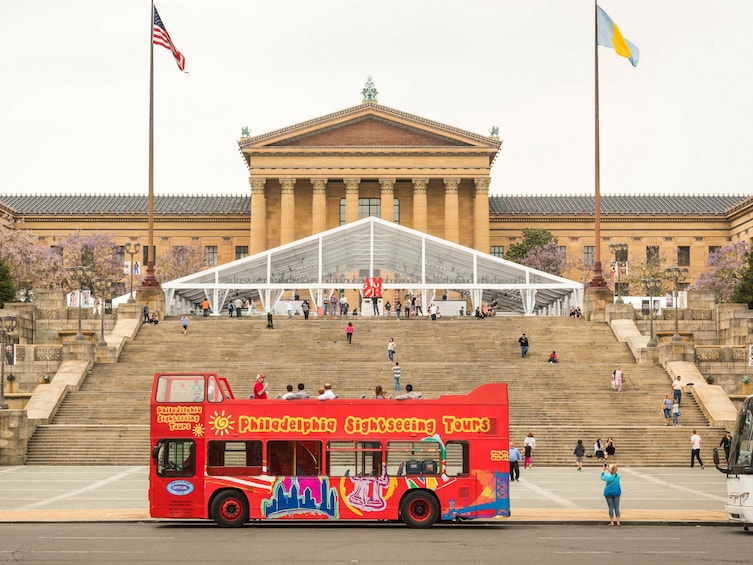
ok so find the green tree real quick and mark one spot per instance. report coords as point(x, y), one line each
point(651, 268)
point(7, 287)
point(532, 238)
point(744, 291)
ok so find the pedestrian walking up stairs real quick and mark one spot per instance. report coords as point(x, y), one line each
point(106, 421)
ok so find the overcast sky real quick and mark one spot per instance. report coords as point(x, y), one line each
point(75, 88)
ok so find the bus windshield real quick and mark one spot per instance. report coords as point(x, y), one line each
point(742, 439)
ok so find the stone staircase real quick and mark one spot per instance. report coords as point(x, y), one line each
point(106, 421)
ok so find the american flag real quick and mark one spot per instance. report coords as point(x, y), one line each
point(161, 37)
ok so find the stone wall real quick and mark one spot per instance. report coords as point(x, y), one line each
point(15, 431)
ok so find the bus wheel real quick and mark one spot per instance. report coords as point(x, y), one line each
point(230, 509)
point(419, 509)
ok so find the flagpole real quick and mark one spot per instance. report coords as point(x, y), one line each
point(597, 282)
point(150, 282)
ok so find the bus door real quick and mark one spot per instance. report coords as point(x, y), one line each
point(458, 468)
point(177, 484)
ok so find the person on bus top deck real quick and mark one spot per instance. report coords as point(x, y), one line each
point(289, 394)
point(300, 394)
point(409, 394)
point(327, 394)
point(261, 387)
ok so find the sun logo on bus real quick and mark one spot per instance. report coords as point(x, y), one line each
point(198, 430)
point(221, 424)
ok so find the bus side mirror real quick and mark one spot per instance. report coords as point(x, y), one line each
point(719, 468)
point(155, 451)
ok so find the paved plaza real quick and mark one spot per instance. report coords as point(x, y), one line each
point(671, 495)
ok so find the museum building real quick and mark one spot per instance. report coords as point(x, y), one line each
point(371, 160)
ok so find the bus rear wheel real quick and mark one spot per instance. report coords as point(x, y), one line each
point(230, 509)
point(419, 509)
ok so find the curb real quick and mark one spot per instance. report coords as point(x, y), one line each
point(527, 516)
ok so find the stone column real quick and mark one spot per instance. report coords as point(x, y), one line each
point(287, 211)
point(388, 199)
point(319, 206)
point(351, 199)
point(420, 210)
point(451, 229)
point(258, 241)
point(481, 215)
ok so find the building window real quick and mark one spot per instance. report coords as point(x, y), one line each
point(120, 253)
point(370, 207)
point(589, 252)
point(498, 251)
point(621, 256)
point(714, 248)
point(652, 253)
point(683, 256)
point(563, 250)
point(241, 251)
point(210, 255)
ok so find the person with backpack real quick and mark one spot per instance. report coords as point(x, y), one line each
point(579, 452)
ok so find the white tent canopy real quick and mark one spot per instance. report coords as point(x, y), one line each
point(405, 259)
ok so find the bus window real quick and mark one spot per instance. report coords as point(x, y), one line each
point(288, 458)
point(414, 458)
point(456, 453)
point(354, 458)
point(180, 388)
point(234, 458)
point(177, 458)
point(214, 394)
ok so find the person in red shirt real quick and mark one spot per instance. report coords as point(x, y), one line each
point(260, 388)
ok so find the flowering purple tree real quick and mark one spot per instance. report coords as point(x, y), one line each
point(548, 258)
point(180, 261)
point(96, 251)
point(31, 265)
point(724, 271)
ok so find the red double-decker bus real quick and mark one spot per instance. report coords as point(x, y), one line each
point(236, 460)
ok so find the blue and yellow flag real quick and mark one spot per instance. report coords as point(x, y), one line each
point(609, 35)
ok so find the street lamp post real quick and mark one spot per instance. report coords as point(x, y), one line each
point(79, 273)
point(102, 287)
point(618, 250)
point(677, 275)
point(652, 287)
point(26, 295)
point(7, 327)
point(132, 250)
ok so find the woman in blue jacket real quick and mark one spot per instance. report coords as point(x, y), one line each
point(612, 492)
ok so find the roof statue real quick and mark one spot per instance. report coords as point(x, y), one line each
point(245, 131)
point(494, 132)
point(369, 92)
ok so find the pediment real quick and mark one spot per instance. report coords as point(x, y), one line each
point(370, 131)
point(370, 125)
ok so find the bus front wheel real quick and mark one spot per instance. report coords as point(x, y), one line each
point(230, 509)
point(419, 509)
